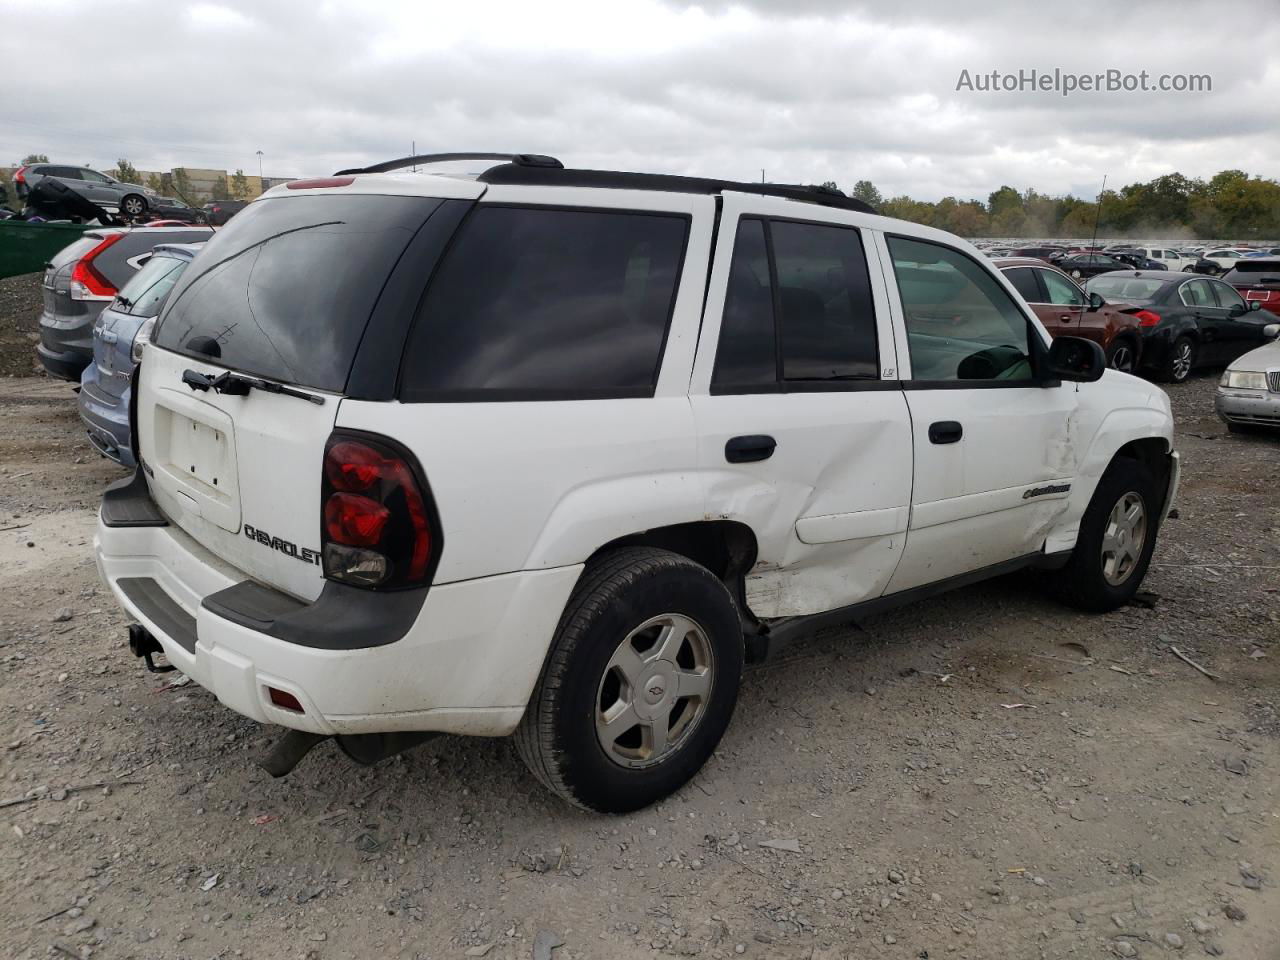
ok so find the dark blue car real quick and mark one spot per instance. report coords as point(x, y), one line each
point(118, 337)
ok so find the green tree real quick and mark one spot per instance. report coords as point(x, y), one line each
point(240, 186)
point(220, 189)
point(1001, 201)
point(127, 172)
point(155, 184)
point(830, 185)
point(35, 158)
point(182, 184)
point(866, 191)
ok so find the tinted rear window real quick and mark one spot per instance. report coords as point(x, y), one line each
point(286, 289)
point(543, 303)
point(145, 293)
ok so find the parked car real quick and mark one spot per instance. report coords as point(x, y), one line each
point(1249, 391)
point(1089, 265)
point(1066, 310)
point(1187, 322)
point(1207, 268)
point(218, 212)
point(119, 334)
point(82, 279)
point(1257, 280)
point(1138, 261)
point(171, 208)
point(1043, 252)
point(1170, 258)
point(576, 443)
point(1223, 258)
point(131, 199)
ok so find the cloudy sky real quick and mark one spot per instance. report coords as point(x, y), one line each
point(808, 90)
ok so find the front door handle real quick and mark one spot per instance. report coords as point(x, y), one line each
point(945, 431)
point(1066, 318)
point(749, 449)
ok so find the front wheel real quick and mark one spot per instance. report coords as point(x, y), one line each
point(1117, 537)
point(640, 684)
point(133, 205)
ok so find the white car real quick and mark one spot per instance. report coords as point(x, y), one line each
point(551, 452)
point(1168, 256)
point(1224, 257)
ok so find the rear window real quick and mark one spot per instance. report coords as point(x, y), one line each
point(1125, 288)
point(145, 293)
point(547, 304)
point(1264, 273)
point(286, 289)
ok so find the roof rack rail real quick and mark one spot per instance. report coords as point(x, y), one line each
point(558, 176)
point(518, 159)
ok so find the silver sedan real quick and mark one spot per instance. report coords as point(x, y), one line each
point(1249, 391)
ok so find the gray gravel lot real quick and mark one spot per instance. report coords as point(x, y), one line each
point(986, 775)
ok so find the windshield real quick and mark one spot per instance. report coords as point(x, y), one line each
point(145, 293)
point(286, 289)
point(1125, 288)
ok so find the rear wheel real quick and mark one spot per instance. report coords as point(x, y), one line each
point(133, 205)
point(640, 684)
point(1117, 537)
point(1121, 355)
point(1180, 361)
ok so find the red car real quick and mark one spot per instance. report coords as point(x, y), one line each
point(1066, 310)
point(1257, 278)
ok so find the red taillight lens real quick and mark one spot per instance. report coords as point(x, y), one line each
point(1146, 318)
point(92, 284)
point(377, 523)
point(20, 176)
point(282, 698)
point(354, 520)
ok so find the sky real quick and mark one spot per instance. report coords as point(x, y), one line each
point(806, 90)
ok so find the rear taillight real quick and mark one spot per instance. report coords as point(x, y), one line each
point(378, 527)
point(20, 176)
point(87, 281)
point(1147, 318)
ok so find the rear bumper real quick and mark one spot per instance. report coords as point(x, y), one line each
point(63, 364)
point(1253, 408)
point(66, 344)
point(106, 418)
point(467, 665)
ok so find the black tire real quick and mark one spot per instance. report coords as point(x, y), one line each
point(1190, 268)
point(1122, 354)
point(1084, 582)
point(618, 592)
point(133, 206)
point(1179, 361)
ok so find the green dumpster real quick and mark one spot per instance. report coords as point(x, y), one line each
point(27, 247)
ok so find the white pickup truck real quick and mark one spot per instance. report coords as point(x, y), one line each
point(550, 452)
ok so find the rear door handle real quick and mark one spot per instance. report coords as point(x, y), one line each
point(945, 431)
point(750, 449)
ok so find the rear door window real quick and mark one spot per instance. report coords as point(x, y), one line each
point(286, 289)
point(543, 303)
point(1024, 281)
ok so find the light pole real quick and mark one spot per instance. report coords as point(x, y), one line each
point(259, 168)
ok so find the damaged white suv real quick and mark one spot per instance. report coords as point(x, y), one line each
point(550, 452)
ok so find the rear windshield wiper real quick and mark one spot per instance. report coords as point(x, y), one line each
point(238, 385)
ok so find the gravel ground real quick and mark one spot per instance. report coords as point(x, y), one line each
point(20, 304)
point(986, 775)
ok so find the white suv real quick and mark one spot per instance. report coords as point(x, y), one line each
point(552, 452)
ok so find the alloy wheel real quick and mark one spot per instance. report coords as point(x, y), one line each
point(1123, 539)
point(1122, 359)
point(1182, 360)
point(654, 691)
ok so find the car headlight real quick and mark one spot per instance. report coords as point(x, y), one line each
point(1243, 380)
point(141, 339)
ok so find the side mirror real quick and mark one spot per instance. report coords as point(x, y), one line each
point(1237, 310)
point(1255, 304)
point(1096, 302)
point(1075, 359)
point(1271, 330)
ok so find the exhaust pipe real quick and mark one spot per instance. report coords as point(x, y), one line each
point(365, 749)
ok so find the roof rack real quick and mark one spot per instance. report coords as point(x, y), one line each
point(513, 159)
point(557, 176)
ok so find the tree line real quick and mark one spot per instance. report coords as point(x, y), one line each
point(1229, 205)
